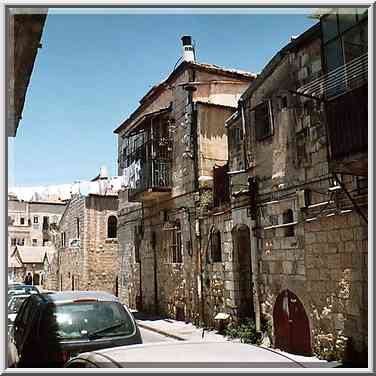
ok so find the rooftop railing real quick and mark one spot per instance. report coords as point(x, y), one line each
point(339, 80)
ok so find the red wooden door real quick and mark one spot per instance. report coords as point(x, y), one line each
point(291, 325)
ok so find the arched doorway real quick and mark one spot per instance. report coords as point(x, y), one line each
point(242, 266)
point(36, 279)
point(291, 325)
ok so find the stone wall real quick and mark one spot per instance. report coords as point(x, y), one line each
point(93, 265)
point(71, 260)
point(336, 271)
point(322, 257)
point(129, 223)
point(174, 288)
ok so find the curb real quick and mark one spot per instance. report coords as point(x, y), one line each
point(159, 331)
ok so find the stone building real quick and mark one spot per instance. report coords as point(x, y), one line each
point(87, 246)
point(167, 150)
point(274, 229)
point(298, 178)
point(24, 31)
point(32, 223)
point(31, 260)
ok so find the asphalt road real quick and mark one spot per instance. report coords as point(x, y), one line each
point(149, 336)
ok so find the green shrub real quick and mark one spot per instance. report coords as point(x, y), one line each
point(245, 331)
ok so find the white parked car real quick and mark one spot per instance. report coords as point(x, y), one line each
point(184, 354)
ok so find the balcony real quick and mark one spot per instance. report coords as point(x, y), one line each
point(339, 81)
point(154, 181)
point(146, 157)
point(344, 91)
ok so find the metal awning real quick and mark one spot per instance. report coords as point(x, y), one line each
point(145, 117)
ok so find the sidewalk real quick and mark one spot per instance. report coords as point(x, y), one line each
point(178, 330)
point(183, 331)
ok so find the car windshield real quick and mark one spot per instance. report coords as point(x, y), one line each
point(88, 320)
point(15, 303)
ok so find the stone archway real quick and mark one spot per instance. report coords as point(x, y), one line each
point(242, 272)
point(291, 325)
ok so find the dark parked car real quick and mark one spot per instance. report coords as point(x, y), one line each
point(14, 305)
point(51, 328)
point(19, 288)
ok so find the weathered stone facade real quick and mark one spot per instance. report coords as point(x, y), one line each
point(310, 240)
point(165, 227)
point(24, 32)
point(30, 223)
point(287, 247)
point(87, 256)
point(129, 224)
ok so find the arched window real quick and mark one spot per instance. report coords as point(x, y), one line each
point(216, 252)
point(288, 217)
point(112, 227)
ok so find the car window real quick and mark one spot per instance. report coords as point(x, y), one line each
point(78, 320)
point(23, 313)
point(16, 303)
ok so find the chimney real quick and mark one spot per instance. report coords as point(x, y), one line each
point(188, 50)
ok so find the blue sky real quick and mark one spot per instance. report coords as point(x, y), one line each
point(93, 69)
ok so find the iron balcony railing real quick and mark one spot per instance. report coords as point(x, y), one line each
point(155, 176)
point(339, 81)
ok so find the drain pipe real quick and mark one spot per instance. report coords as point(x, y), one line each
point(200, 279)
point(253, 240)
point(242, 112)
point(153, 246)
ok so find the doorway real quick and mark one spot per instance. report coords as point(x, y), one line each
point(291, 325)
point(243, 271)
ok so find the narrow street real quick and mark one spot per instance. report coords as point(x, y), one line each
point(149, 336)
point(207, 211)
